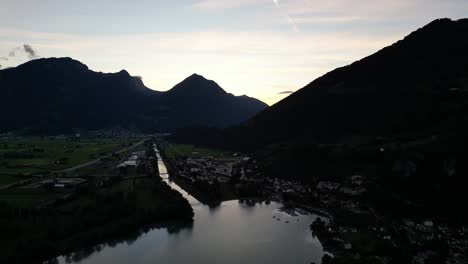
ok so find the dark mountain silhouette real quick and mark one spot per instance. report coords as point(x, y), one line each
point(201, 96)
point(406, 103)
point(417, 85)
point(61, 94)
point(398, 117)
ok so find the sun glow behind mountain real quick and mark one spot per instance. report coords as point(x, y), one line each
point(261, 48)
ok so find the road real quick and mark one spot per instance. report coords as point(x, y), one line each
point(89, 163)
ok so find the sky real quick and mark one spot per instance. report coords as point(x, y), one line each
point(261, 48)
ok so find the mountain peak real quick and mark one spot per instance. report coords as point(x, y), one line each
point(440, 30)
point(196, 76)
point(61, 93)
point(124, 73)
point(444, 22)
point(195, 85)
point(63, 63)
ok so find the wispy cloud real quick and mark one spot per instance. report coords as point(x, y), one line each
point(286, 92)
point(12, 56)
point(30, 51)
point(12, 53)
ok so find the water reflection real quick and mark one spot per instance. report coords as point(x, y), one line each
point(233, 232)
point(128, 240)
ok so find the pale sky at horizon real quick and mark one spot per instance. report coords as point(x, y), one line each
point(260, 48)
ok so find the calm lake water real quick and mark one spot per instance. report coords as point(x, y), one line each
point(233, 232)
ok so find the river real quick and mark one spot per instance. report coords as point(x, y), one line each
point(233, 232)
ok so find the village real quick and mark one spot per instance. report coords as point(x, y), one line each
point(226, 176)
point(349, 226)
point(209, 168)
point(358, 230)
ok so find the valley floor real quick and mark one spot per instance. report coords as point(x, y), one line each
point(122, 192)
point(79, 207)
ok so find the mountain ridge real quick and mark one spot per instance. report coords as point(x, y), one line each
point(392, 85)
point(54, 94)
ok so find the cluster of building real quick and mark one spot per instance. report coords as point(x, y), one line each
point(133, 160)
point(354, 186)
point(209, 168)
point(276, 188)
point(112, 133)
point(138, 164)
point(63, 182)
point(425, 232)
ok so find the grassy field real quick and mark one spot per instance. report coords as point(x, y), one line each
point(28, 156)
point(107, 166)
point(30, 197)
point(173, 150)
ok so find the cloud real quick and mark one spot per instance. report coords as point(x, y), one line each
point(30, 51)
point(286, 92)
point(0, 66)
point(26, 48)
point(13, 52)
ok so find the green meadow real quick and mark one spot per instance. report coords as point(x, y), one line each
point(173, 150)
point(23, 158)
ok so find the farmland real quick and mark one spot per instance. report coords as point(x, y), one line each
point(23, 158)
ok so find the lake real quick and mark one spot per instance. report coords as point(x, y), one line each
point(233, 232)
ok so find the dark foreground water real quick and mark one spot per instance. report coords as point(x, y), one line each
point(234, 232)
